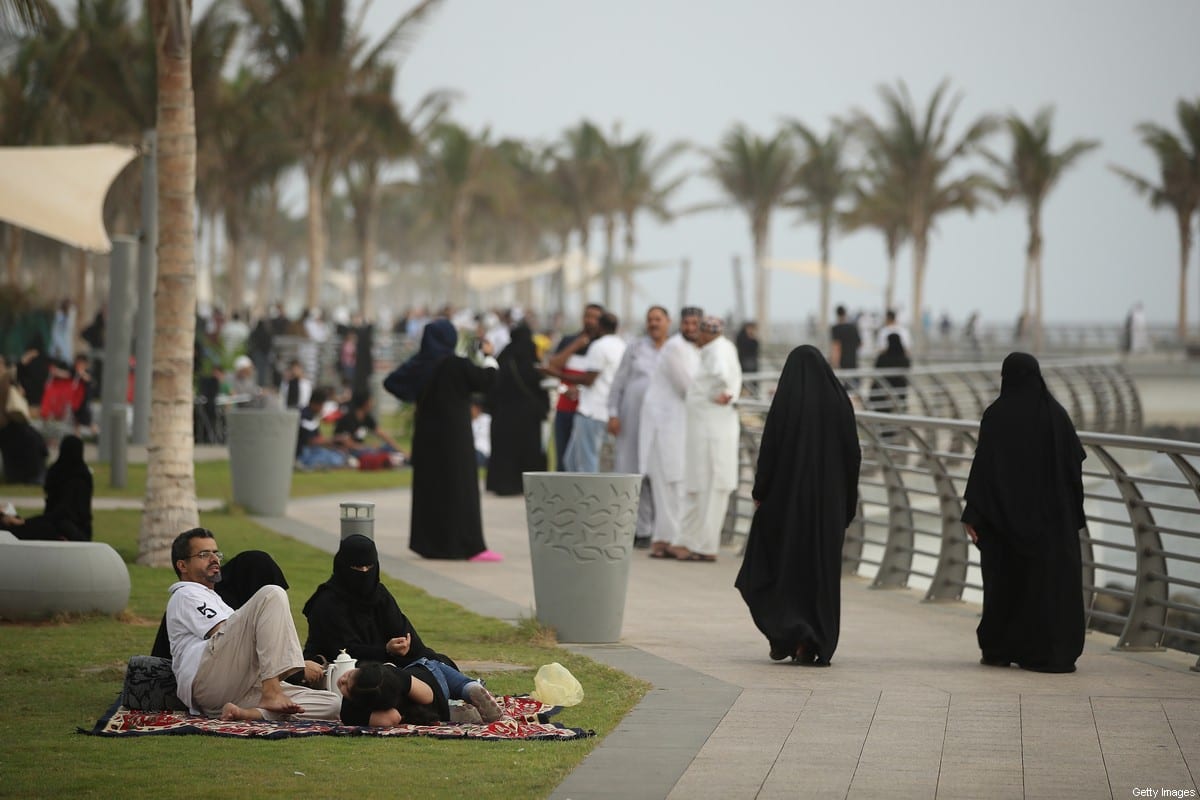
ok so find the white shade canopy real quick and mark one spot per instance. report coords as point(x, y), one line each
point(814, 268)
point(59, 191)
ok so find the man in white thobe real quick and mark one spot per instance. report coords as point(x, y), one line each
point(711, 456)
point(662, 433)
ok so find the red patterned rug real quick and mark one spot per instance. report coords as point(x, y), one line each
point(524, 718)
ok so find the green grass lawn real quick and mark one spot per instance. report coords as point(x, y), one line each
point(57, 676)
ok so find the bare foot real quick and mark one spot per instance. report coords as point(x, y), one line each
point(279, 702)
point(235, 713)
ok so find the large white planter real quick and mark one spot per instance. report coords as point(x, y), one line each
point(262, 452)
point(581, 529)
point(39, 580)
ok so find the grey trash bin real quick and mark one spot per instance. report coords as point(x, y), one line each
point(581, 529)
point(262, 452)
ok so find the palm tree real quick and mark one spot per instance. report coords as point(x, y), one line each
point(1028, 175)
point(923, 158)
point(320, 60)
point(458, 170)
point(822, 180)
point(756, 174)
point(381, 134)
point(877, 201)
point(640, 186)
point(1179, 182)
point(24, 14)
point(170, 505)
point(35, 102)
point(585, 176)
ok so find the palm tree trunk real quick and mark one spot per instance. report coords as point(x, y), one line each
point(234, 269)
point(610, 235)
point(458, 255)
point(266, 244)
point(627, 276)
point(889, 291)
point(920, 248)
point(1185, 249)
point(368, 250)
point(316, 229)
point(14, 246)
point(1034, 275)
point(823, 316)
point(761, 280)
point(170, 505)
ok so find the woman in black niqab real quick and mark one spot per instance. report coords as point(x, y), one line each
point(519, 406)
point(68, 487)
point(1024, 511)
point(354, 611)
point(806, 490)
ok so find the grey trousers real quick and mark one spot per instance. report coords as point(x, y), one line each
point(257, 643)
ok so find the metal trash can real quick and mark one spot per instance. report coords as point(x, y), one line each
point(357, 517)
point(581, 529)
point(262, 453)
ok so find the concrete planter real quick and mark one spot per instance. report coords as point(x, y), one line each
point(581, 529)
point(262, 452)
point(39, 580)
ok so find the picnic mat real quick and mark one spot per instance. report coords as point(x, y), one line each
point(524, 718)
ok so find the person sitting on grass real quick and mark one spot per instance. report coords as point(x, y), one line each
point(350, 432)
point(355, 612)
point(313, 449)
point(231, 663)
point(383, 695)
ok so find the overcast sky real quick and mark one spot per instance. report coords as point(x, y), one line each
point(688, 69)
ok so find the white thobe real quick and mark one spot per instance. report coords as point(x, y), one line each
point(712, 447)
point(638, 366)
point(662, 434)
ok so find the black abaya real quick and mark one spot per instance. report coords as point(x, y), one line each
point(68, 485)
point(1025, 501)
point(353, 611)
point(446, 517)
point(806, 487)
point(519, 406)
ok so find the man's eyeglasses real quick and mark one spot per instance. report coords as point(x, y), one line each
point(207, 554)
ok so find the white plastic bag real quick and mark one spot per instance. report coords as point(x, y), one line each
point(555, 685)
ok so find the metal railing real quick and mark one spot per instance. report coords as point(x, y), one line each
point(1141, 548)
point(1097, 392)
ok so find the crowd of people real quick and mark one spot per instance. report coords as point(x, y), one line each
point(662, 404)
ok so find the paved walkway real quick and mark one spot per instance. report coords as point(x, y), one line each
point(906, 710)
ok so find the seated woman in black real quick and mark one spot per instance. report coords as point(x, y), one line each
point(419, 694)
point(353, 611)
point(68, 486)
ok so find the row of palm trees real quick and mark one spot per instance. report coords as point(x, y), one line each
point(312, 92)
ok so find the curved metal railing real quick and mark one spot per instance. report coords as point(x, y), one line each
point(1141, 548)
point(1097, 392)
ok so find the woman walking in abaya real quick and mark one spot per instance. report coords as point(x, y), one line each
point(519, 406)
point(446, 519)
point(806, 492)
point(1024, 512)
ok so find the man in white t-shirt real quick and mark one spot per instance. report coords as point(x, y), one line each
point(232, 663)
point(591, 418)
point(890, 326)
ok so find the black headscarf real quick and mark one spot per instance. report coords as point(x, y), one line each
point(518, 373)
point(359, 589)
point(1026, 484)
point(806, 484)
point(245, 574)
point(437, 344)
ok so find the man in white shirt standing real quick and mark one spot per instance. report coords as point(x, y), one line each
point(232, 663)
point(603, 358)
point(711, 456)
point(662, 435)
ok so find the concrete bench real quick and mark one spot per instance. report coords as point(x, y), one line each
point(41, 579)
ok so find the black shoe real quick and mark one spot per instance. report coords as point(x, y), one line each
point(642, 543)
